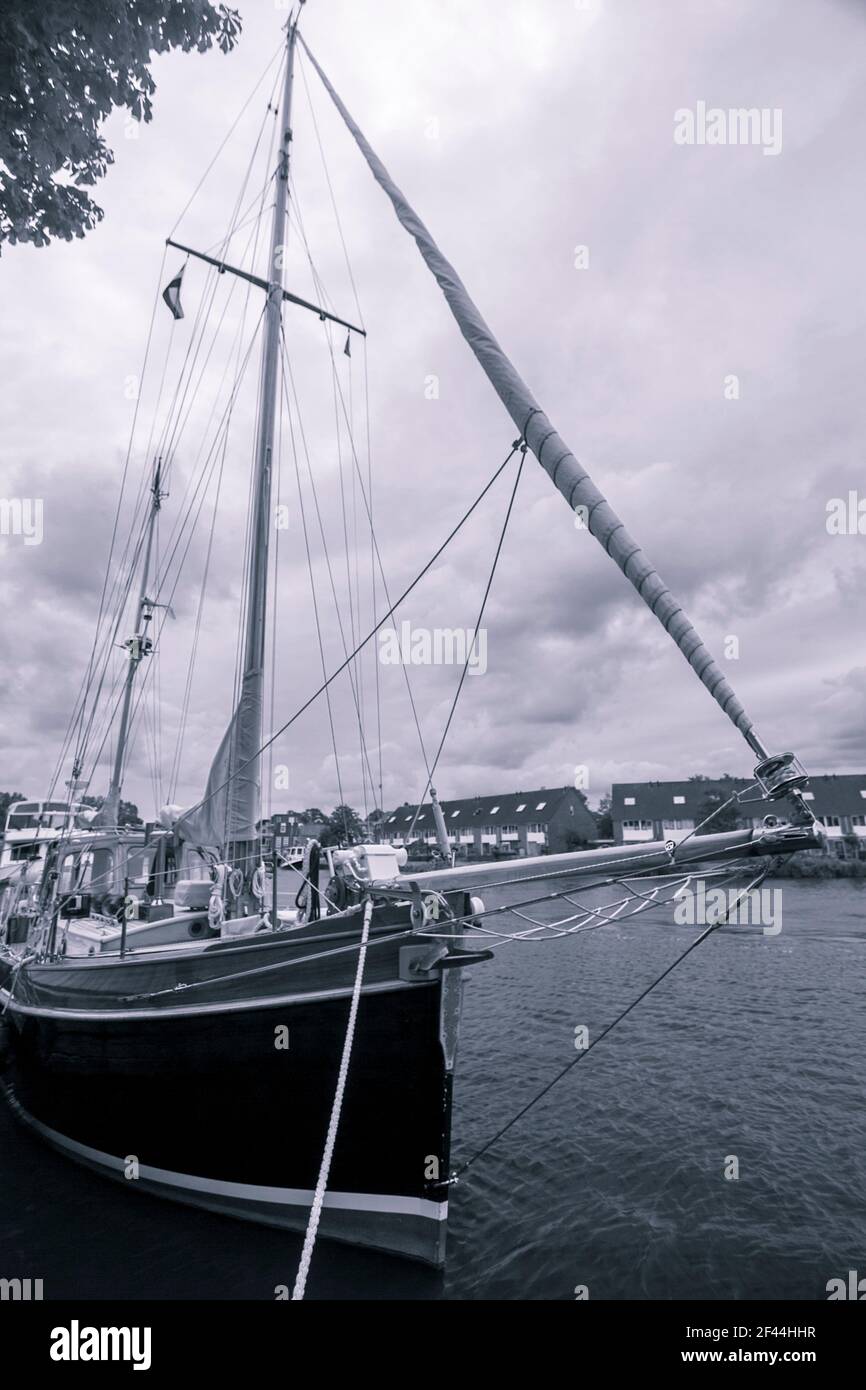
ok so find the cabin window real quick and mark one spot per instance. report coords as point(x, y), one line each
point(87, 871)
point(193, 865)
point(137, 864)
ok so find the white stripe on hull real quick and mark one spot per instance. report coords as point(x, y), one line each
point(250, 1192)
point(15, 1006)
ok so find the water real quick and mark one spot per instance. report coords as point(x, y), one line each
point(753, 1048)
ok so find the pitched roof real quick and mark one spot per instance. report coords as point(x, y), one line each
point(507, 808)
point(838, 794)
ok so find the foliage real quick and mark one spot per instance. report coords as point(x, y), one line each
point(814, 864)
point(64, 66)
point(6, 800)
point(603, 819)
point(342, 827)
point(127, 812)
point(727, 819)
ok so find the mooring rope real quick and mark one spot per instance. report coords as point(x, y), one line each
point(336, 1110)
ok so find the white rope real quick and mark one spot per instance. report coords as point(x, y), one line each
point(336, 1108)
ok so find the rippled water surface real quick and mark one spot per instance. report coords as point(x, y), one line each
point(753, 1048)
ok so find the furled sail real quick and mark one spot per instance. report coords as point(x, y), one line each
point(230, 806)
point(549, 448)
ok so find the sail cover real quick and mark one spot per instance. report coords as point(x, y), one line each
point(230, 806)
point(566, 473)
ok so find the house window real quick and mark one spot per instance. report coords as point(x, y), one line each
point(858, 820)
point(454, 813)
point(391, 820)
point(493, 810)
point(522, 806)
point(808, 796)
point(541, 805)
point(679, 801)
point(829, 821)
point(628, 801)
point(509, 829)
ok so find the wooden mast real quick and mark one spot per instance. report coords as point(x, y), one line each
point(245, 854)
point(139, 646)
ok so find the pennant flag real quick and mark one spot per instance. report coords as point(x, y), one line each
point(348, 348)
point(171, 295)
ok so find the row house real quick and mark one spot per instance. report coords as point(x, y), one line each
point(545, 821)
point(672, 810)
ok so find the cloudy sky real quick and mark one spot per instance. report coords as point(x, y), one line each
point(520, 132)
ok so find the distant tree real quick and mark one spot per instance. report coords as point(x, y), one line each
point(603, 819)
point(573, 839)
point(727, 819)
point(64, 65)
point(342, 826)
point(376, 817)
point(128, 814)
point(313, 815)
point(7, 799)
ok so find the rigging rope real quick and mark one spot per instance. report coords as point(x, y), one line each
point(313, 594)
point(288, 377)
point(367, 495)
point(471, 648)
point(564, 470)
point(714, 926)
point(368, 638)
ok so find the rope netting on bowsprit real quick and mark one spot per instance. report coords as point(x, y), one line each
point(540, 918)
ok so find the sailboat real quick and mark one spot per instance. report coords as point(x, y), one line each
point(297, 1069)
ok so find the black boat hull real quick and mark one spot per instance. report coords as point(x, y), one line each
point(226, 1105)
